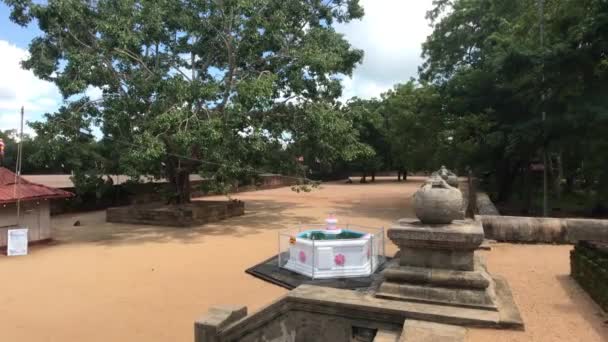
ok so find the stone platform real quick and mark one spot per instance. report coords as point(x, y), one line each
point(185, 215)
point(314, 313)
point(437, 265)
point(269, 270)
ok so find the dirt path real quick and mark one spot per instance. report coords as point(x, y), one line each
point(110, 282)
point(553, 306)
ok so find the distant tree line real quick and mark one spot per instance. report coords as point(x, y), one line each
point(483, 89)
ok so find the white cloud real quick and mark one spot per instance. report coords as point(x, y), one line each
point(19, 87)
point(93, 93)
point(390, 34)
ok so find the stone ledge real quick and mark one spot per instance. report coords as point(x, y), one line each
point(473, 298)
point(439, 277)
point(361, 305)
point(207, 328)
point(387, 336)
point(420, 331)
point(187, 215)
point(364, 308)
point(460, 234)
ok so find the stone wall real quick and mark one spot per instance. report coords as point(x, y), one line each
point(523, 229)
point(589, 267)
point(322, 314)
point(281, 322)
point(543, 229)
point(142, 193)
point(192, 214)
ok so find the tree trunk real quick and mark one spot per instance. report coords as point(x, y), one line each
point(560, 175)
point(179, 179)
point(527, 190)
point(363, 180)
point(398, 176)
point(373, 176)
point(404, 172)
point(569, 184)
point(505, 180)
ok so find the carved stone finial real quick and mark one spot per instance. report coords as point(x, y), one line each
point(436, 202)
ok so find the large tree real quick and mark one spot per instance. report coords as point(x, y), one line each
point(216, 86)
point(497, 80)
point(371, 128)
point(416, 130)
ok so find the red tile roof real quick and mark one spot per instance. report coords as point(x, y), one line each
point(26, 191)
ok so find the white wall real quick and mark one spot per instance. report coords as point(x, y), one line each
point(35, 215)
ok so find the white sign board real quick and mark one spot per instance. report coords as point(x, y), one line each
point(16, 242)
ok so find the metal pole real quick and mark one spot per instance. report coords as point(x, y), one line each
point(314, 253)
point(371, 254)
point(18, 171)
point(279, 255)
point(541, 11)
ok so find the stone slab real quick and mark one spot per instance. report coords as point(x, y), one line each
point(437, 277)
point(367, 307)
point(487, 245)
point(208, 327)
point(420, 331)
point(586, 229)
point(475, 298)
point(268, 270)
point(461, 260)
point(185, 215)
point(361, 309)
point(459, 235)
point(510, 316)
point(387, 336)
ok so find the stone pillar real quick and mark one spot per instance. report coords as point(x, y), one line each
point(207, 328)
point(437, 264)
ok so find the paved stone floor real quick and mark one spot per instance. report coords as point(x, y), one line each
point(111, 282)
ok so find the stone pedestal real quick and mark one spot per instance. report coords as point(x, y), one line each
point(437, 264)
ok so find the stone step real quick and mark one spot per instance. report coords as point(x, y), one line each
point(439, 277)
point(387, 336)
point(421, 331)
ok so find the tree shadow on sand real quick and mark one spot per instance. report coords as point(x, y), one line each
point(260, 215)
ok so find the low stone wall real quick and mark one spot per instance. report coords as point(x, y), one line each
point(589, 267)
point(543, 229)
point(485, 206)
point(192, 214)
point(143, 193)
point(322, 314)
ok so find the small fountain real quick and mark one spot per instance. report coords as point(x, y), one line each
point(332, 251)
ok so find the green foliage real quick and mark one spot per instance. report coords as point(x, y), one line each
point(496, 80)
point(415, 126)
point(194, 86)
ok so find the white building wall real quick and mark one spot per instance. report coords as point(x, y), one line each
point(35, 215)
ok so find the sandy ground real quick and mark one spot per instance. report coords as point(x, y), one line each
point(552, 305)
point(110, 282)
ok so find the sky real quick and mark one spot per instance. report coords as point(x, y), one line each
point(390, 34)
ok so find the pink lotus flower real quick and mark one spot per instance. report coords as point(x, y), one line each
point(302, 257)
point(340, 259)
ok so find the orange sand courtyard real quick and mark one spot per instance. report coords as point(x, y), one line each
point(115, 282)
